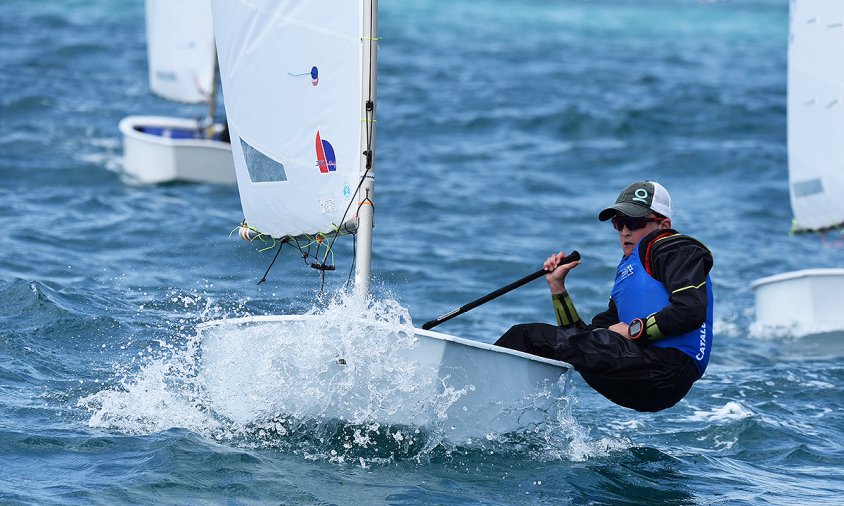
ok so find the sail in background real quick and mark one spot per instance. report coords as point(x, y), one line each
point(180, 47)
point(816, 113)
point(294, 82)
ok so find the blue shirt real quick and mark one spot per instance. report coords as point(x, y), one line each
point(638, 295)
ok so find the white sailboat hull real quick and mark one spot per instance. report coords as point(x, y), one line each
point(260, 368)
point(804, 302)
point(161, 158)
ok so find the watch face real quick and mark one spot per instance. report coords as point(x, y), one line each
point(635, 327)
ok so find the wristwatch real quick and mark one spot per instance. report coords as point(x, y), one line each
point(636, 329)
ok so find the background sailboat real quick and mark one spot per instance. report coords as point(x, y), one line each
point(182, 67)
point(300, 99)
point(808, 301)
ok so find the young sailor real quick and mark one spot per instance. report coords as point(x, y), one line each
point(655, 337)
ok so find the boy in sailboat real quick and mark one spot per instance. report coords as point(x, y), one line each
point(654, 339)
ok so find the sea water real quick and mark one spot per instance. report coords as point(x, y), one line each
point(503, 128)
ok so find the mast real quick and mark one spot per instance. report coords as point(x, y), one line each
point(366, 194)
point(212, 100)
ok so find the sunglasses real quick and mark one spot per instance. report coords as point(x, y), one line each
point(620, 221)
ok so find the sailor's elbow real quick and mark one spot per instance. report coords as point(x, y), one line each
point(693, 318)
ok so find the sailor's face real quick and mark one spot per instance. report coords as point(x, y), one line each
point(640, 228)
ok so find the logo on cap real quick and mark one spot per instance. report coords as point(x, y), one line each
point(641, 195)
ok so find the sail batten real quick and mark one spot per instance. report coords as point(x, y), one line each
point(816, 113)
point(292, 74)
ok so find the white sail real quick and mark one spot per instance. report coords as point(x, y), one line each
point(295, 115)
point(816, 113)
point(180, 47)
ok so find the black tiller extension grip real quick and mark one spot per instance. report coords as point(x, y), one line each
point(573, 257)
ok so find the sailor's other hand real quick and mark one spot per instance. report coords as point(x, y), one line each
point(557, 273)
point(621, 328)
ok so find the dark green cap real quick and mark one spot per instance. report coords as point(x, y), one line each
point(640, 199)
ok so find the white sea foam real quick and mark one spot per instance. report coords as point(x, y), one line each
point(811, 382)
point(732, 410)
point(632, 424)
point(583, 447)
point(728, 324)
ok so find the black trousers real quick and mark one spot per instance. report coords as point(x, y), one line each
point(636, 376)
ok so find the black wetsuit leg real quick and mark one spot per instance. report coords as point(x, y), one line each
point(640, 377)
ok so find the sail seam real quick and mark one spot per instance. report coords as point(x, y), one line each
point(274, 15)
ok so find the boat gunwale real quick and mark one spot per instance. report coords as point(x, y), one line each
point(419, 332)
point(800, 274)
point(128, 128)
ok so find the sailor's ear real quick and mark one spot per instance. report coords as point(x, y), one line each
point(666, 223)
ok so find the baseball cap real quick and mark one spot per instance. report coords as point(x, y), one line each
point(640, 199)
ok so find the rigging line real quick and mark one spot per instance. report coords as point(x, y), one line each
point(354, 258)
point(346, 212)
point(370, 112)
point(370, 119)
point(337, 231)
point(280, 245)
point(301, 251)
point(257, 236)
point(328, 251)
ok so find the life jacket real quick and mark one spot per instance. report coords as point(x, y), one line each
point(638, 295)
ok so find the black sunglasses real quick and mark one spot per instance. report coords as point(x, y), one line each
point(620, 221)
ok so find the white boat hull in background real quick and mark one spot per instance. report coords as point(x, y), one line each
point(800, 302)
point(156, 159)
point(264, 368)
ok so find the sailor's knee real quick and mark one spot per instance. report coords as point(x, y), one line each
point(514, 337)
point(521, 337)
point(519, 328)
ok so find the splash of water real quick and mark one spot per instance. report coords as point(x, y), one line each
point(343, 361)
point(341, 383)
